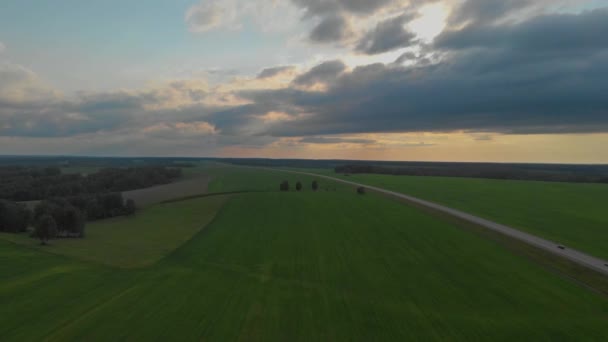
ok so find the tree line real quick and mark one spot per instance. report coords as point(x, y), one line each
point(62, 217)
point(284, 186)
point(26, 183)
point(66, 216)
point(565, 173)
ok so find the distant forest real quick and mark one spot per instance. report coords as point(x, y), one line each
point(27, 183)
point(552, 173)
point(67, 201)
point(538, 172)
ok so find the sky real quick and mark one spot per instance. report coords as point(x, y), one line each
point(428, 80)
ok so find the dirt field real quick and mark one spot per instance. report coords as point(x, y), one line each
point(160, 193)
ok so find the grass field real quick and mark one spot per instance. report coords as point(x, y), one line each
point(304, 266)
point(138, 240)
point(572, 214)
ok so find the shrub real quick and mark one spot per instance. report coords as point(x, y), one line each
point(45, 229)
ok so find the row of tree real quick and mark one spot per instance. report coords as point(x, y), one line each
point(62, 217)
point(284, 186)
point(26, 183)
point(14, 217)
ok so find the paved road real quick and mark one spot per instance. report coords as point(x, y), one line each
point(550, 246)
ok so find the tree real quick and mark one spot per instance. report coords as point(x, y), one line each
point(284, 186)
point(315, 185)
point(14, 217)
point(46, 228)
point(361, 190)
point(299, 186)
point(130, 207)
point(74, 222)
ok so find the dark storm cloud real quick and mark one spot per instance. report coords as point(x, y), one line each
point(547, 74)
point(561, 33)
point(387, 36)
point(330, 29)
point(270, 72)
point(486, 11)
point(333, 25)
point(517, 84)
point(323, 72)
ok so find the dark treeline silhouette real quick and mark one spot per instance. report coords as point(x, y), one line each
point(575, 173)
point(66, 211)
point(26, 183)
point(540, 172)
point(68, 201)
point(100, 206)
point(14, 217)
point(62, 217)
point(68, 220)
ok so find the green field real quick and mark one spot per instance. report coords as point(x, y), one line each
point(274, 266)
point(573, 214)
point(138, 240)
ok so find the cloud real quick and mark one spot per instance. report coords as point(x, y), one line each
point(19, 84)
point(210, 15)
point(205, 16)
point(324, 7)
point(333, 28)
point(180, 129)
point(2, 47)
point(333, 17)
point(544, 74)
point(388, 35)
point(274, 71)
point(486, 11)
point(321, 73)
point(521, 88)
point(335, 140)
point(561, 33)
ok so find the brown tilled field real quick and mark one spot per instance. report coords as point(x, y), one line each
point(160, 193)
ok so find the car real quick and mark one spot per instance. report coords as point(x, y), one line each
point(561, 247)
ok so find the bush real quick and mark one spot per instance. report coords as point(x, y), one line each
point(69, 220)
point(299, 186)
point(130, 207)
point(45, 229)
point(315, 185)
point(361, 190)
point(14, 217)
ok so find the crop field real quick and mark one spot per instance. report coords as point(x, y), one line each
point(273, 266)
point(573, 214)
point(138, 240)
point(190, 186)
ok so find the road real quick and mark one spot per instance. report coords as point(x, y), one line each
point(568, 253)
